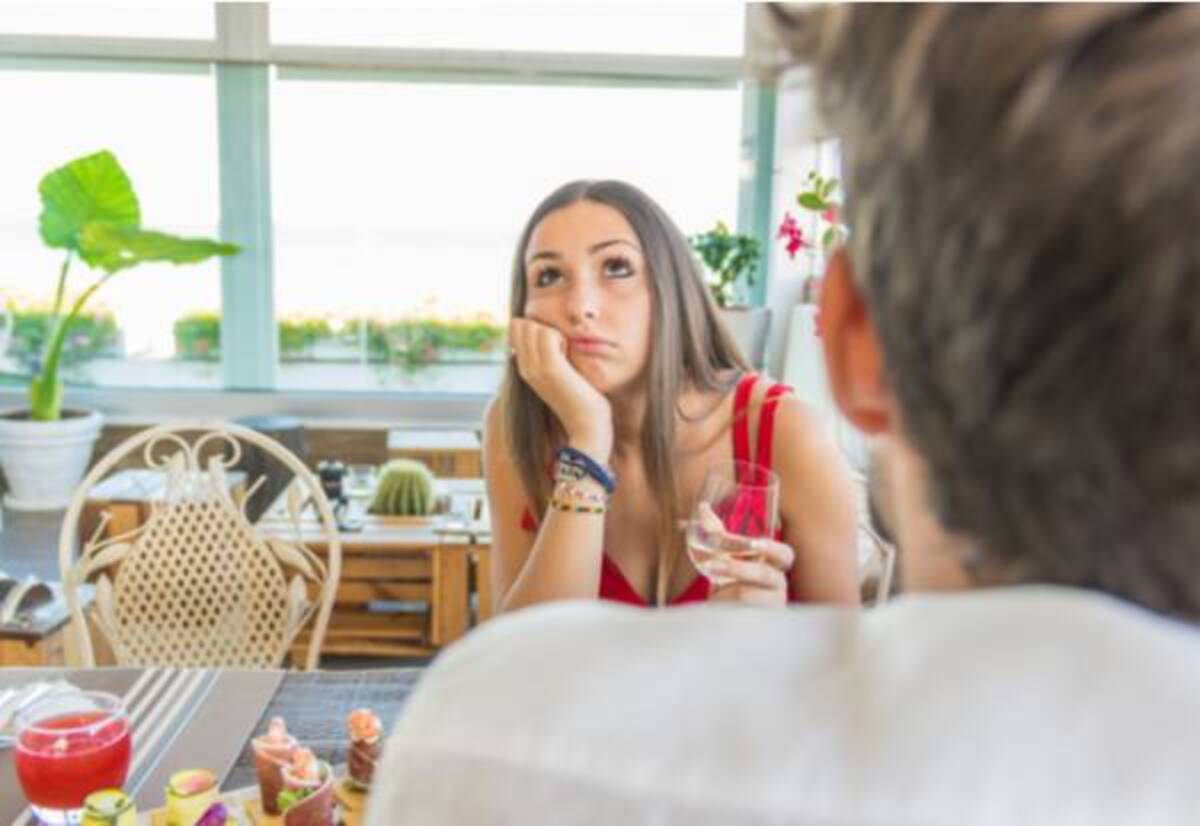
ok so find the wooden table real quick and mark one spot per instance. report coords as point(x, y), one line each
point(405, 588)
point(204, 718)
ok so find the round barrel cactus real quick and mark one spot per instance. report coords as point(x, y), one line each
point(405, 489)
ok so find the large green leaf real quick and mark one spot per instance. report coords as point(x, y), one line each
point(113, 248)
point(91, 188)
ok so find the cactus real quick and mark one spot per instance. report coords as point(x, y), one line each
point(405, 489)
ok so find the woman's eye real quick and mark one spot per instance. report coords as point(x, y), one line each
point(618, 268)
point(546, 277)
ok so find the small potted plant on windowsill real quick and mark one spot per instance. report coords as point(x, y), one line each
point(731, 260)
point(89, 209)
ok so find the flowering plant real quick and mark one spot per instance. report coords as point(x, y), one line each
point(819, 197)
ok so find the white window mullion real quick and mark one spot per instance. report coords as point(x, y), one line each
point(249, 345)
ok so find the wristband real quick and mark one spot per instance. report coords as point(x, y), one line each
point(575, 466)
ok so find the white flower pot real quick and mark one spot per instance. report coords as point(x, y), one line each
point(44, 461)
point(749, 327)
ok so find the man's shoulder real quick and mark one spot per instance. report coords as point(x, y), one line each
point(1006, 622)
point(1013, 703)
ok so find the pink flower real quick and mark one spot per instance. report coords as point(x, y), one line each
point(832, 214)
point(790, 230)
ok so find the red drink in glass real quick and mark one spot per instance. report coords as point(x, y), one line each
point(68, 747)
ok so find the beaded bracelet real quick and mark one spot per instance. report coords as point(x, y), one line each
point(575, 507)
point(571, 492)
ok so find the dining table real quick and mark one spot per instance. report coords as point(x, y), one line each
point(188, 718)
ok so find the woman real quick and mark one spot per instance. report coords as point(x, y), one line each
point(623, 390)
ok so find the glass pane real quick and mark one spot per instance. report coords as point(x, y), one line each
point(191, 20)
point(618, 28)
point(163, 130)
point(397, 210)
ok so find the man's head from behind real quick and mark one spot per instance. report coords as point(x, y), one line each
point(1019, 302)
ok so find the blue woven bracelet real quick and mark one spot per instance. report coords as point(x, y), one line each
point(589, 466)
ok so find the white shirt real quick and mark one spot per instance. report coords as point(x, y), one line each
point(1015, 706)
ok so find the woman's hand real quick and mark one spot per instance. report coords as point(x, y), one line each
point(541, 354)
point(758, 569)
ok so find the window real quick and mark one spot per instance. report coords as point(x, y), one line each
point(611, 28)
point(401, 171)
point(397, 208)
point(162, 127)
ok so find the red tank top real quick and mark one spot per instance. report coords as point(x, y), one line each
point(613, 584)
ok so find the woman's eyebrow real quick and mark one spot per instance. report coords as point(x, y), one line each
point(597, 247)
point(543, 254)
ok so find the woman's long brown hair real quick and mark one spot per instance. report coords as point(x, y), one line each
point(690, 350)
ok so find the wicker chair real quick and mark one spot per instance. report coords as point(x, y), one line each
point(195, 584)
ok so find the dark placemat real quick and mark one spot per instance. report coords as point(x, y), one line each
point(315, 705)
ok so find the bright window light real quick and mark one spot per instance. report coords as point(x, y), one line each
point(187, 20)
point(163, 130)
point(401, 204)
point(617, 28)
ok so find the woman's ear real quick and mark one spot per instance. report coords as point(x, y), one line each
point(853, 358)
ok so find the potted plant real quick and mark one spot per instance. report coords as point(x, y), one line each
point(89, 209)
point(732, 260)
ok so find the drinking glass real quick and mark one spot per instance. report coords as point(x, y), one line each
point(68, 746)
point(737, 499)
point(359, 487)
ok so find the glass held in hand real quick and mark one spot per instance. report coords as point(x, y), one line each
point(738, 501)
point(68, 746)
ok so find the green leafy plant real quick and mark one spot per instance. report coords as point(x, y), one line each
point(94, 334)
point(405, 489)
point(297, 335)
point(730, 258)
point(198, 336)
point(414, 343)
point(90, 209)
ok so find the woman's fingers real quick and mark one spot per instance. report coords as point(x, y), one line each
point(776, 554)
point(761, 580)
point(749, 595)
point(550, 345)
point(745, 572)
point(523, 335)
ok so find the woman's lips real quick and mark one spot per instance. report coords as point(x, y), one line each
point(590, 345)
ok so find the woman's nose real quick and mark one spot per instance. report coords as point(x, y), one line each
point(583, 302)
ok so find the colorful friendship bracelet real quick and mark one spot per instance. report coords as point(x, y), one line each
point(574, 507)
point(572, 492)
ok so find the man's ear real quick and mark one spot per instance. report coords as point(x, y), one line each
point(853, 358)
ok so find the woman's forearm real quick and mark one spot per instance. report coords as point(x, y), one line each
point(564, 562)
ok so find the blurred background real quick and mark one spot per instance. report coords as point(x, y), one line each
point(376, 163)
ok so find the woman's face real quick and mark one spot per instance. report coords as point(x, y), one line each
point(585, 275)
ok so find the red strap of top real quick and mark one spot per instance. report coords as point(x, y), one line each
point(766, 423)
point(741, 418)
